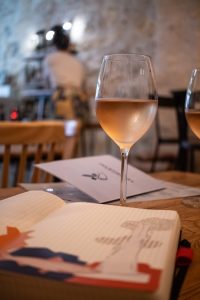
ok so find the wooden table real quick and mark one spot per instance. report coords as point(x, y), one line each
point(190, 219)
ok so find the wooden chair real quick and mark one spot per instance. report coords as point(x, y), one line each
point(184, 158)
point(168, 157)
point(163, 155)
point(35, 141)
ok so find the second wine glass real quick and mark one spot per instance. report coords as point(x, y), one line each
point(126, 103)
point(192, 112)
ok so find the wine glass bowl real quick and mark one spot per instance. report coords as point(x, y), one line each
point(126, 102)
point(125, 120)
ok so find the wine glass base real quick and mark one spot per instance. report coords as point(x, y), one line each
point(193, 201)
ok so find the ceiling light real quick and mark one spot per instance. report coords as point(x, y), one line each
point(67, 25)
point(49, 35)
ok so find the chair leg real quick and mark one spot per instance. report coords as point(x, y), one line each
point(192, 159)
point(155, 158)
point(182, 159)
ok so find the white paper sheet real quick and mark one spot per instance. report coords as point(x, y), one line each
point(171, 191)
point(69, 193)
point(99, 177)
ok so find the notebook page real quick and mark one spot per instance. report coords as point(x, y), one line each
point(26, 209)
point(74, 225)
point(108, 235)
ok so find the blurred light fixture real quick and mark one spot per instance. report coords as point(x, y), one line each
point(77, 30)
point(31, 43)
point(67, 25)
point(49, 35)
point(34, 40)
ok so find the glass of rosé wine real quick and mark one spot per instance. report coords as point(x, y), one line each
point(126, 103)
point(192, 113)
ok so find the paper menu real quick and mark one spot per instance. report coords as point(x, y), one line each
point(99, 177)
point(69, 193)
point(172, 190)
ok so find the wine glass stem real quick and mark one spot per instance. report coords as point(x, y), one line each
point(123, 181)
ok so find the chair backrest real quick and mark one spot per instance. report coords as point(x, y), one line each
point(167, 103)
point(183, 159)
point(35, 141)
point(179, 98)
point(176, 103)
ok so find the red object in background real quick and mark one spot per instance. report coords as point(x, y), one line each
point(14, 114)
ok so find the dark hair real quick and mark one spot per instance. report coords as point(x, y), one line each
point(60, 39)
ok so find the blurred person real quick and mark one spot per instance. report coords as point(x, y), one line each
point(65, 74)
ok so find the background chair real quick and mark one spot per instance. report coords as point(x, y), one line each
point(165, 138)
point(34, 142)
point(167, 142)
point(183, 158)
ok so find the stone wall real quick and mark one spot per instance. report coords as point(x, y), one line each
point(168, 30)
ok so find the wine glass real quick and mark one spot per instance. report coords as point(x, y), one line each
point(126, 103)
point(192, 113)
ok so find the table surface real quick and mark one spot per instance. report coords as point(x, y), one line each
point(190, 219)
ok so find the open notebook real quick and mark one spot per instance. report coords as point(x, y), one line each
point(53, 250)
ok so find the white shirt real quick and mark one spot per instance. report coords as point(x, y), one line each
point(63, 69)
